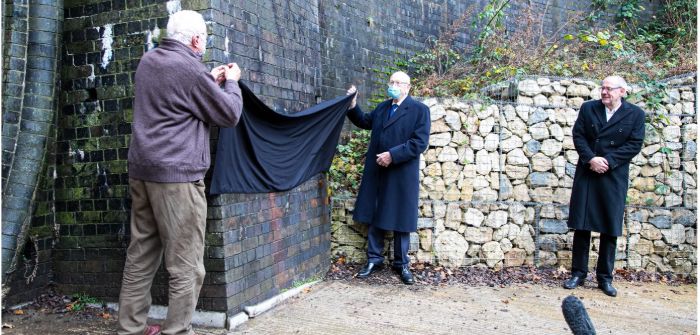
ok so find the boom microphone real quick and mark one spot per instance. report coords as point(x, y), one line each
point(576, 316)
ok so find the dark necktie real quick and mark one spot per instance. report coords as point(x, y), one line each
point(394, 107)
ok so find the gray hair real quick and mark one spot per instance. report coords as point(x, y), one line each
point(619, 82)
point(185, 24)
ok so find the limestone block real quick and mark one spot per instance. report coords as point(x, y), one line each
point(514, 257)
point(426, 239)
point(478, 234)
point(675, 235)
point(532, 147)
point(557, 101)
point(578, 91)
point(485, 194)
point(536, 116)
point(516, 172)
point(492, 253)
point(440, 139)
point(672, 133)
point(557, 132)
point(575, 102)
point(529, 87)
point(491, 142)
point(453, 121)
point(541, 194)
point(486, 126)
point(511, 143)
point(448, 154)
point(538, 179)
point(516, 157)
point(439, 126)
point(465, 155)
point(450, 248)
point(540, 100)
point(483, 162)
point(524, 241)
point(539, 131)
point(437, 112)
point(517, 127)
point(496, 219)
point(433, 170)
point(506, 245)
point(551, 147)
point(473, 217)
point(459, 139)
point(558, 164)
point(650, 232)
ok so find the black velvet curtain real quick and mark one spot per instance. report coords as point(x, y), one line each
point(269, 152)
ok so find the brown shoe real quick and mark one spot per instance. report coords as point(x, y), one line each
point(151, 330)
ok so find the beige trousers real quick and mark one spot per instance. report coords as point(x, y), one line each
point(167, 219)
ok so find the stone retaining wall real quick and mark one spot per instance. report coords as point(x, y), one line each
point(496, 181)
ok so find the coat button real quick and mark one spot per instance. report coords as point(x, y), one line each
point(620, 130)
point(612, 142)
point(597, 140)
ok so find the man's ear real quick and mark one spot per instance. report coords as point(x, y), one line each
point(193, 40)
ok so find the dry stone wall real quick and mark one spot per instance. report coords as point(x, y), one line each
point(497, 176)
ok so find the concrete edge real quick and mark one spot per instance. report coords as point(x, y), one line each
point(213, 319)
point(199, 318)
point(266, 305)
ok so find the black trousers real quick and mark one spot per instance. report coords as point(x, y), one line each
point(606, 255)
point(375, 246)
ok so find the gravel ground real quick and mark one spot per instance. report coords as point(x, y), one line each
point(521, 300)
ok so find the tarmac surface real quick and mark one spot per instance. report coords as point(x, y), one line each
point(356, 307)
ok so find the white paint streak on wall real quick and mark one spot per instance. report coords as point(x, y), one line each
point(107, 41)
point(226, 41)
point(91, 77)
point(151, 38)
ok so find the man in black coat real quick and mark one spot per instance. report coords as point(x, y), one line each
point(388, 195)
point(607, 134)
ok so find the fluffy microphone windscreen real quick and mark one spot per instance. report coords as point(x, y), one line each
point(576, 316)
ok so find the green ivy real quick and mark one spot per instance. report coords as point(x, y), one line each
point(348, 164)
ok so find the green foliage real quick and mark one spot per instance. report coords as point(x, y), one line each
point(348, 164)
point(80, 301)
point(641, 53)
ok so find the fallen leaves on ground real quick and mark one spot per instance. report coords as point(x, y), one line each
point(428, 274)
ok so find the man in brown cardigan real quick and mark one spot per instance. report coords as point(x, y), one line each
point(177, 99)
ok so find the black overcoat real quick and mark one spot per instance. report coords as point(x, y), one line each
point(598, 200)
point(388, 196)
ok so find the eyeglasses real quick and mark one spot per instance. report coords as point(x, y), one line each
point(604, 88)
point(397, 83)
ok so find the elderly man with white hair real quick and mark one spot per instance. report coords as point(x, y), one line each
point(388, 197)
point(176, 100)
point(607, 134)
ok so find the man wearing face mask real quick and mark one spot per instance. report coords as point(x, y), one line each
point(176, 100)
point(388, 195)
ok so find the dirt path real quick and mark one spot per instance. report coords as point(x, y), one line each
point(354, 307)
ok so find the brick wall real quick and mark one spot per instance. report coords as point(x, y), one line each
point(260, 244)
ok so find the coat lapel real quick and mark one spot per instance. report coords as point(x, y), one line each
point(620, 114)
point(400, 112)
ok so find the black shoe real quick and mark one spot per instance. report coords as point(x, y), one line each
point(405, 274)
point(369, 269)
point(573, 282)
point(607, 288)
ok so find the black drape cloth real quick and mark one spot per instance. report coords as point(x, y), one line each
point(269, 152)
